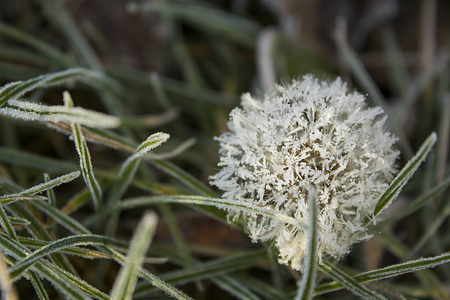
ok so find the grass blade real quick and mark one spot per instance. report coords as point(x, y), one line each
point(218, 202)
point(14, 90)
point(308, 281)
point(125, 283)
point(57, 113)
point(349, 282)
point(405, 174)
point(85, 159)
point(390, 271)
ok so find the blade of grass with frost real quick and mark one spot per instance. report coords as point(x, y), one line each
point(205, 18)
point(217, 202)
point(6, 224)
point(38, 286)
point(75, 227)
point(209, 269)
point(48, 270)
point(7, 199)
point(55, 247)
point(127, 278)
point(310, 262)
point(235, 288)
point(57, 113)
point(50, 192)
point(14, 90)
point(405, 174)
point(19, 221)
point(129, 167)
point(349, 282)
point(85, 159)
point(390, 271)
point(415, 205)
point(49, 184)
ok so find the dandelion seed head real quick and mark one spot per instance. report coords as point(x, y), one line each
point(309, 134)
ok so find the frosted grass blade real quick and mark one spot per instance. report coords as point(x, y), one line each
point(50, 192)
point(55, 247)
point(309, 273)
point(49, 184)
point(218, 202)
point(390, 271)
point(126, 280)
point(209, 269)
point(14, 90)
point(129, 167)
point(7, 199)
point(75, 227)
point(405, 174)
point(349, 282)
point(85, 159)
point(6, 224)
point(31, 111)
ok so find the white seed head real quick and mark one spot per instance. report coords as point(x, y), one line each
point(310, 134)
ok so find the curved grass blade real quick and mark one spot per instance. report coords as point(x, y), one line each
point(209, 269)
point(129, 167)
point(218, 202)
point(125, 283)
point(85, 159)
point(308, 281)
point(66, 282)
point(349, 282)
point(38, 286)
point(8, 199)
point(77, 228)
point(55, 247)
point(405, 174)
point(6, 224)
point(14, 90)
point(31, 111)
point(390, 271)
point(50, 192)
point(45, 186)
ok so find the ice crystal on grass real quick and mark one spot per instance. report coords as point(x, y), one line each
point(309, 134)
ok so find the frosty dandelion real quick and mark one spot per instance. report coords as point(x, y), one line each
point(309, 134)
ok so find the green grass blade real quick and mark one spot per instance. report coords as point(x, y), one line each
point(218, 202)
point(234, 287)
point(38, 286)
point(8, 199)
point(405, 174)
point(129, 167)
point(55, 247)
point(31, 111)
point(6, 224)
point(50, 184)
point(14, 90)
point(415, 205)
point(390, 271)
point(209, 269)
point(50, 192)
point(349, 282)
point(126, 280)
point(75, 227)
point(86, 166)
point(309, 272)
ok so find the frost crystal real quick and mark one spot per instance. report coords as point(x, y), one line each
point(310, 134)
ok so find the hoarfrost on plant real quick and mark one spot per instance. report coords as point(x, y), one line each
point(309, 134)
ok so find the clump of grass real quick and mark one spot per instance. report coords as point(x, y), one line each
point(95, 154)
